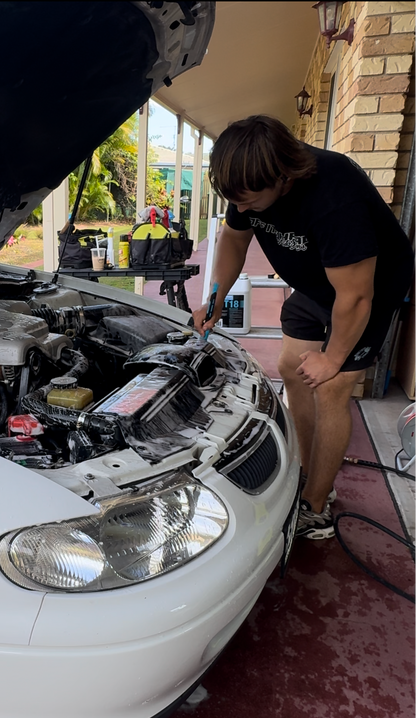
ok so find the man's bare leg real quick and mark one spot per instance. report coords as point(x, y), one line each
point(322, 419)
point(331, 436)
point(300, 396)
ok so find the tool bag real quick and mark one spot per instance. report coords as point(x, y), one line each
point(78, 247)
point(156, 245)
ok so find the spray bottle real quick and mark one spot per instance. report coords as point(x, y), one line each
point(110, 246)
point(236, 311)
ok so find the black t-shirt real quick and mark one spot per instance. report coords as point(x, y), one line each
point(335, 218)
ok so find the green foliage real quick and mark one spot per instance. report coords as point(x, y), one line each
point(96, 197)
point(156, 184)
point(119, 157)
point(112, 184)
point(113, 167)
point(35, 217)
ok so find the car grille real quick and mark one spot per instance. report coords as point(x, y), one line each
point(255, 466)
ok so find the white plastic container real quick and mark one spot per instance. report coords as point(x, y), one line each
point(59, 297)
point(110, 246)
point(236, 312)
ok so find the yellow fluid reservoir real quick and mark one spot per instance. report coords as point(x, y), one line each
point(67, 393)
point(124, 251)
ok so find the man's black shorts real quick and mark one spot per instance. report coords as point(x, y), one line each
point(302, 318)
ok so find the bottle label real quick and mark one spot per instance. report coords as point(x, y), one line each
point(123, 255)
point(232, 315)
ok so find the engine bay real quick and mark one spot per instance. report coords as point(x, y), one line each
point(82, 378)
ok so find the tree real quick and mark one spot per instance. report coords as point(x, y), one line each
point(155, 184)
point(118, 154)
point(96, 197)
point(112, 185)
point(112, 175)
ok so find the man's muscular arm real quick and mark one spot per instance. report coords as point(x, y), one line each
point(354, 287)
point(231, 250)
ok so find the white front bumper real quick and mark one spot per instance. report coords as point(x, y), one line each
point(132, 652)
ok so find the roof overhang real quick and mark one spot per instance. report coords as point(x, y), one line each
point(257, 61)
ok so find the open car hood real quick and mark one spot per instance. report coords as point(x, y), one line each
point(72, 74)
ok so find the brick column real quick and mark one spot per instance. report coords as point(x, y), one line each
point(371, 122)
point(372, 96)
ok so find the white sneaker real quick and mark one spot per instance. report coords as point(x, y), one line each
point(312, 525)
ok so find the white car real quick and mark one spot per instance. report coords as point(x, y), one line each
point(140, 522)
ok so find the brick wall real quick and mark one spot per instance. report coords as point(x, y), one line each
point(405, 145)
point(374, 115)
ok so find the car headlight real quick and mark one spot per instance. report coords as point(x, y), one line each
point(137, 535)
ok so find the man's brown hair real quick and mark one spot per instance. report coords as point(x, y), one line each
point(253, 154)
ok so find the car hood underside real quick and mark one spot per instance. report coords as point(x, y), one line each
point(72, 74)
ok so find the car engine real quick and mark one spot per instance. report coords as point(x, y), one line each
point(79, 380)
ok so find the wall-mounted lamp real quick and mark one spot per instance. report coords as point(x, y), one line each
point(301, 102)
point(329, 14)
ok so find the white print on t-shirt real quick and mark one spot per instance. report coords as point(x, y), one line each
point(361, 353)
point(289, 239)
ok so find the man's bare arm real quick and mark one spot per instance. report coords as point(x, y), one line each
point(354, 287)
point(231, 250)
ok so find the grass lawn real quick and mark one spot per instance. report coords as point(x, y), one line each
point(203, 229)
point(23, 252)
point(126, 283)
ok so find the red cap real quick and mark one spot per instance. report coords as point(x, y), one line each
point(24, 424)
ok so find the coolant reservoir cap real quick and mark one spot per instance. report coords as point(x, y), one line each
point(64, 382)
point(178, 337)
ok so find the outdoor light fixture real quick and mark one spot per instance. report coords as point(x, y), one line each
point(301, 102)
point(329, 20)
